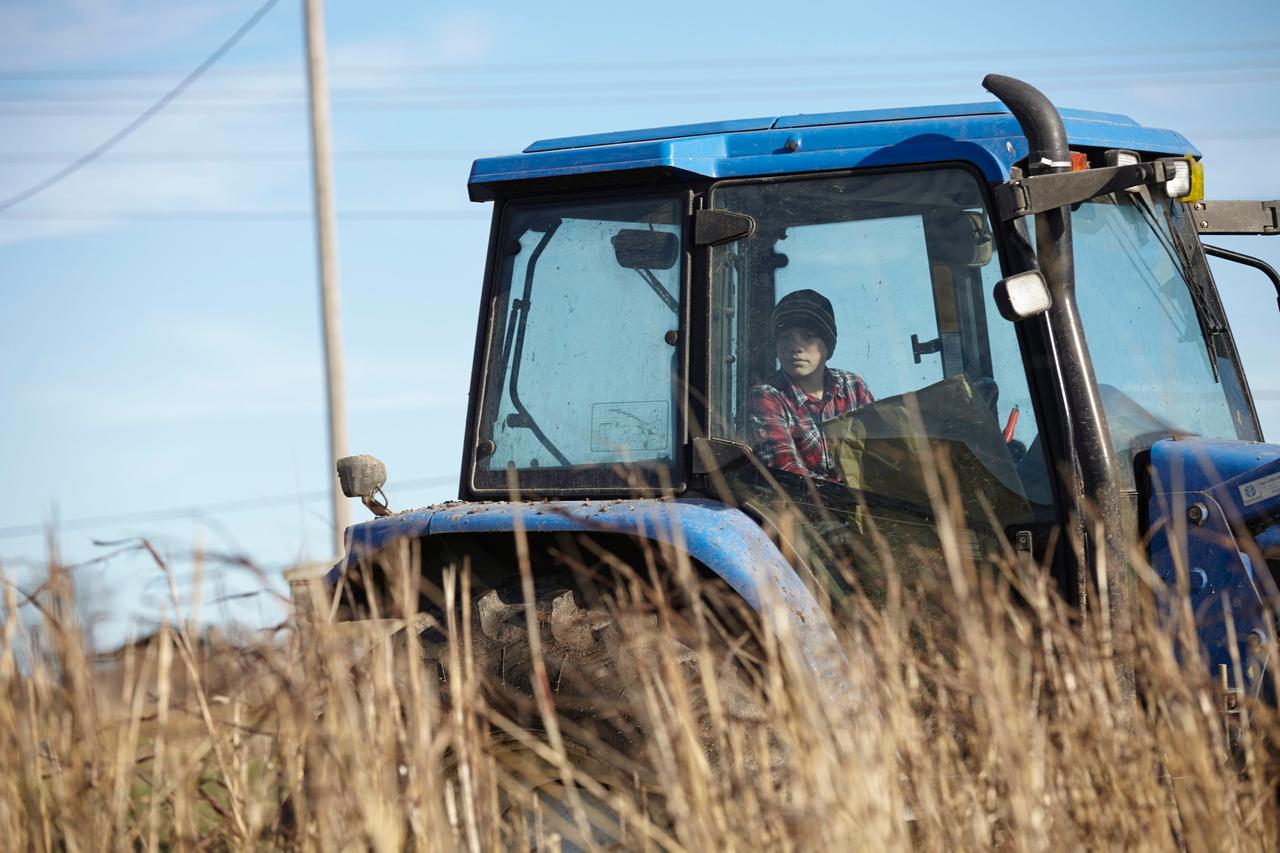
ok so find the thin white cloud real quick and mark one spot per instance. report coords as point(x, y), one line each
point(113, 185)
point(48, 34)
point(452, 37)
point(465, 36)
point(228, 371)
point(235, 368)
point(70, 33)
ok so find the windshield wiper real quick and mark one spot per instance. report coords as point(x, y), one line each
point(521, 418)
point(1209, 321)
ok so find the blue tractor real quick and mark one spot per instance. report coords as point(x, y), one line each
point(1018, 289)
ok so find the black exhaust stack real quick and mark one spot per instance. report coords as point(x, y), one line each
point(1097, 488)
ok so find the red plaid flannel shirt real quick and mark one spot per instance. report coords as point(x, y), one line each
point(786, 431)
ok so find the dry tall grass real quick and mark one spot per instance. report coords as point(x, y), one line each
point(1005, 724)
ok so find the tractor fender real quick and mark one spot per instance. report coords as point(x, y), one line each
point(724, 539)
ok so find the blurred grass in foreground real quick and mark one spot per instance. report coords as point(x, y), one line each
point(999, 721)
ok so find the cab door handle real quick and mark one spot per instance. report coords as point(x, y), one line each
point(927, 348)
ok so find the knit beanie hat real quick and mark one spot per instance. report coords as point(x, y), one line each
point(810, 309)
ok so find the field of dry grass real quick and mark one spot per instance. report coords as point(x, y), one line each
point(1006, 723)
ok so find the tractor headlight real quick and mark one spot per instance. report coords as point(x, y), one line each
point(1187, 183)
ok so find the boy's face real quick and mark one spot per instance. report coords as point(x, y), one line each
point(800, 352)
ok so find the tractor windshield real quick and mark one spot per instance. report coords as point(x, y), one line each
point(1163, 363)
point(902, 366)
point(580, 380)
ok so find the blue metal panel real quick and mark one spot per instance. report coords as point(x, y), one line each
point(978, 133)
point(939, 111)
point(894, 114)
point(647, 134)
point(1091, 133)
point(1238, 486)
point(1205, 463)
point(724, 540)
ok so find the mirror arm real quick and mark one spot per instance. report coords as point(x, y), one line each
point(1052, 190)
point(653, 282)
point(377, 506)
point(1248, 261)
point(1237, 217)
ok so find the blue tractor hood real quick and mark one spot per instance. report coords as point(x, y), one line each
point(724, 539)
point(984, 134)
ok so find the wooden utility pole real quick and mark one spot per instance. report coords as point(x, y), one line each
point(327, 252)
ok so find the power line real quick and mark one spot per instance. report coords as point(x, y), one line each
point(678, 63)
point(238, 156)
point(177, 513)
point(1244, 133)
point(146, 114)
point(682, 95)
point(246, 215)
point(752, 82)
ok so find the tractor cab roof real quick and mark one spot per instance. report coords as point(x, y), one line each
point(984, 134)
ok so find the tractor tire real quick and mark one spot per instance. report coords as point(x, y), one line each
point(595, 660)
point(597, 664)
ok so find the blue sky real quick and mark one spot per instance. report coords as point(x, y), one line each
point(162, 346)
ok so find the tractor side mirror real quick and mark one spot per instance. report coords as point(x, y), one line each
point(639, 249)
point(960, 237)
point(363, 477)
point(1023, 295)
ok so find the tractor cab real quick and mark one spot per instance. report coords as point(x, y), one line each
point(626, 333)
point(1017, 295)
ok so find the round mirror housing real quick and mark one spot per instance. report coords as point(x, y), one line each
point(363, 477)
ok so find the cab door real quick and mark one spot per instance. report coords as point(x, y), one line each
point(906, 260)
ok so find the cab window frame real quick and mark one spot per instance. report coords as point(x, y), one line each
point(641, 479)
